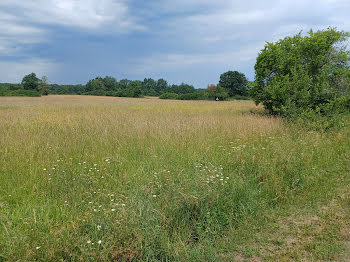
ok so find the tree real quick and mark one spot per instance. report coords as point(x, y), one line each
point(95, 84)
point(110, 83)
point(136, 87)
point(302, 73)
point(44, 86)
point(31, 82)
point(182, 89)
point(161, 86)
point(235, 82)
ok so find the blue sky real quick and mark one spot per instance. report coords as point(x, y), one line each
point(72, 41)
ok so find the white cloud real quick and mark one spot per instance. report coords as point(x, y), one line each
point(26, 23)
point(88, 14)
point(13, 71)
point(176, 61)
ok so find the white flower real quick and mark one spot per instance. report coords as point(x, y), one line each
point(99, 227)
point(99, 242)
point(89, 242)
point(38, 247)
point(113, 209)
point(44, 169)
point(154, 195)
point(123, 205)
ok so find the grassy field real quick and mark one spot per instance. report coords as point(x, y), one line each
point(102, 179)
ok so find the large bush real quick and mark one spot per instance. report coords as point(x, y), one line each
point(304, 75)
point(169, 96)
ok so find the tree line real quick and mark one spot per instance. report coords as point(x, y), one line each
point(31, 85)
point(232, 83)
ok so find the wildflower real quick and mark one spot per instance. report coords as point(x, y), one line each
point(95, 164)
point(113, 209)
point(38, 247)
point(44, 169)
point(99, 227)
point(154, 195)
point(99, 242)
point(89, 242)
point(123, 205)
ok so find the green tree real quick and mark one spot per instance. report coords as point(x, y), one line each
point(110, 83)
point(182, 89)
point(161, 86)
point(44, 86)
point(149, 87)
point(95, 84)
point(31, 82)
point(302, 73)
point(136, 87)
point(235, 82)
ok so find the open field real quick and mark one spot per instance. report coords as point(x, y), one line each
point(100, 179)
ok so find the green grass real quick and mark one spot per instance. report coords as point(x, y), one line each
point(157, 180)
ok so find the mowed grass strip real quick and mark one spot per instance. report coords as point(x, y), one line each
point(97, 178)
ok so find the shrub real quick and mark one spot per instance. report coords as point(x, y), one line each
point(169, 96)
point(216, 92)
point(304, 76)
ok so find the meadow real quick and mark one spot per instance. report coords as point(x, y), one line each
point(87, 178)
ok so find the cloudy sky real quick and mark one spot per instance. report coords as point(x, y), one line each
point(192, 41)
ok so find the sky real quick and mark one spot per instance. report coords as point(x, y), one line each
point(73, 41)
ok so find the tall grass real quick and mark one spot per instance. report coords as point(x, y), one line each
point(97, 178)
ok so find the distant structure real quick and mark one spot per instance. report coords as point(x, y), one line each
point(217, 99)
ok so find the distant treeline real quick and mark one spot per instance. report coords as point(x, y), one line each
point(231, 84)
point(8, 89)
point(109, 86)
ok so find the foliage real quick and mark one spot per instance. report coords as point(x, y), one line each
point(124, 88)
point(181, 89)
point(18, 92)
point(214, 92)
point(235, 82)
point(31, 82)
point(169, 96)
point(304, 75)
point(44, 86)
